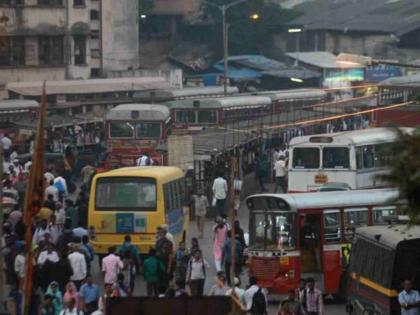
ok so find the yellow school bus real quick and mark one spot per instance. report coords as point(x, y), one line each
point(135, 201)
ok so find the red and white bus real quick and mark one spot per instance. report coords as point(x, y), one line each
point(135, 129)
point(295, 236)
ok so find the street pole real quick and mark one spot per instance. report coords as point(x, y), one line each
point(225, 49)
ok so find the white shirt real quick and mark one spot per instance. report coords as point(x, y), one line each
point(249, 294)
point(20, 265)
point(78, 264)
point(74, 311)
point(51, 190)
point(48, 177)
point(39, 235)
point(7, 143)
point(195, 269)
point(44, 256)
point(142, 161)
point(220, 188)
point(409, 298)
point(280, 168)
point(60, 216)
point(27, 166)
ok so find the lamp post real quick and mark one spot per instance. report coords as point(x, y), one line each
point(223, 9)
point(296, 30)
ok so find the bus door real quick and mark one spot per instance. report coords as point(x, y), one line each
point(332, 257)
point(310, 245)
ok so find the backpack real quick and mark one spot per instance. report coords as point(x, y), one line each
point(259, 306)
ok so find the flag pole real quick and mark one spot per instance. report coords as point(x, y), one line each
point(34, 197)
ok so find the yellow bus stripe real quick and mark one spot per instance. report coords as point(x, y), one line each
point(373, 285)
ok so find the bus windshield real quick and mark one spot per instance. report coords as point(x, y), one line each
point(125, 193)
point(121, 130)
point(273, 231)
point(306, 158)
point(148, 130)
point(335, 157)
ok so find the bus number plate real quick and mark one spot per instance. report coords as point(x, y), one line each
point(321, 179)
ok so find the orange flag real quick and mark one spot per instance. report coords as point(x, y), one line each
point(34, 197)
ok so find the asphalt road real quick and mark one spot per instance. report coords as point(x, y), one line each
point(206, 245)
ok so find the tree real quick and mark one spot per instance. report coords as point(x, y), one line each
point(405, 170)
point(247, 35)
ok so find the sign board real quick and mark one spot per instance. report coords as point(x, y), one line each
point(181, 151)
point(321, 179)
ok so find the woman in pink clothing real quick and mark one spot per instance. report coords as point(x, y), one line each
point(219, 237)
point(71, 293)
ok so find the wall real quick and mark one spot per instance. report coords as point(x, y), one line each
point(120, 35)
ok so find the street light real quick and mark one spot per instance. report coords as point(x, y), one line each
point(223, 9)
point(296, 30)
point(143, 16)
point(255, 16)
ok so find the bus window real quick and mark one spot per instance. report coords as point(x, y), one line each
point(354, 218)
point(332, 226)
point(121, 130)
point(280, 232)
point(335, 157)
point(259, 230)
point(207, 116)
point(306, 158)
point(368, 156)
point(185, 116)
point(148, 130)
point(125, 193)
point(383, 215)
point(373, 155)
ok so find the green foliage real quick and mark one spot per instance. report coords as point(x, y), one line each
point(247, 35)
point(405, 170)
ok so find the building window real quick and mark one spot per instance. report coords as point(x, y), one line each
point(78, 3)
point(50, 2)
point(95, 73)
point(50, 50)
point(94, 14)
point(11, 2)
point(79, 50)
point(12, 51)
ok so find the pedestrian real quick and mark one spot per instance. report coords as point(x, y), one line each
point(294, 306)
point(48, 307)
point(73, 213)
point(20, 264)
point(219, 238)
point(40, 232)
point(51, 190)
point(285, 309)
point(78, 265)
point(79, 231)
point(120, 289)
point(111, 266)
point(220, 287)
point(255, 298)
point(134, 251)
point(196, 273)
point(54, 290)
point(63, 271)
point(220, 189)
point(152, 269)
point(194, 245)
point(409, 299)
point(86, 173)
point(102, 300)
point(48, 255)
point(60, 215)
point(145, 160)
point(88, 249)
point(61, 185)
point(89, 295)
point(164, 251)
point(71, 308)
point(128, 270)
point(71, 294)
point(280, 171)
point(261, 169)
point(311, 299)
point(227, 256)
point(200, 205)
point(239, 292)
point(169, 236)
point(181, 262)
point(65, 238)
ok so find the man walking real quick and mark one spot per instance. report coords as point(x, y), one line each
point(409, 299)
point(311, 299)
point(220, 189)
point(111, 266)
point(255, 298)
point(200, 205)
point(152, 269)
point(280, 172)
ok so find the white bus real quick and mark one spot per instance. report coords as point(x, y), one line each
point(351, 157)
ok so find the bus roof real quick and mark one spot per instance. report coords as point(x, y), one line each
point(169, 94)
point(143, 112)
point(16, 105)
point(224, 102)
point(158, 172)
point(87, 86)
point(295, 94)
point(335, 199)
point(390, 235)
point(356, 137)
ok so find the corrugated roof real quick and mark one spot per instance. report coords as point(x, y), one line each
point(384, 16)
point(88, 86)
point(11, 105)
point(323, 59)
